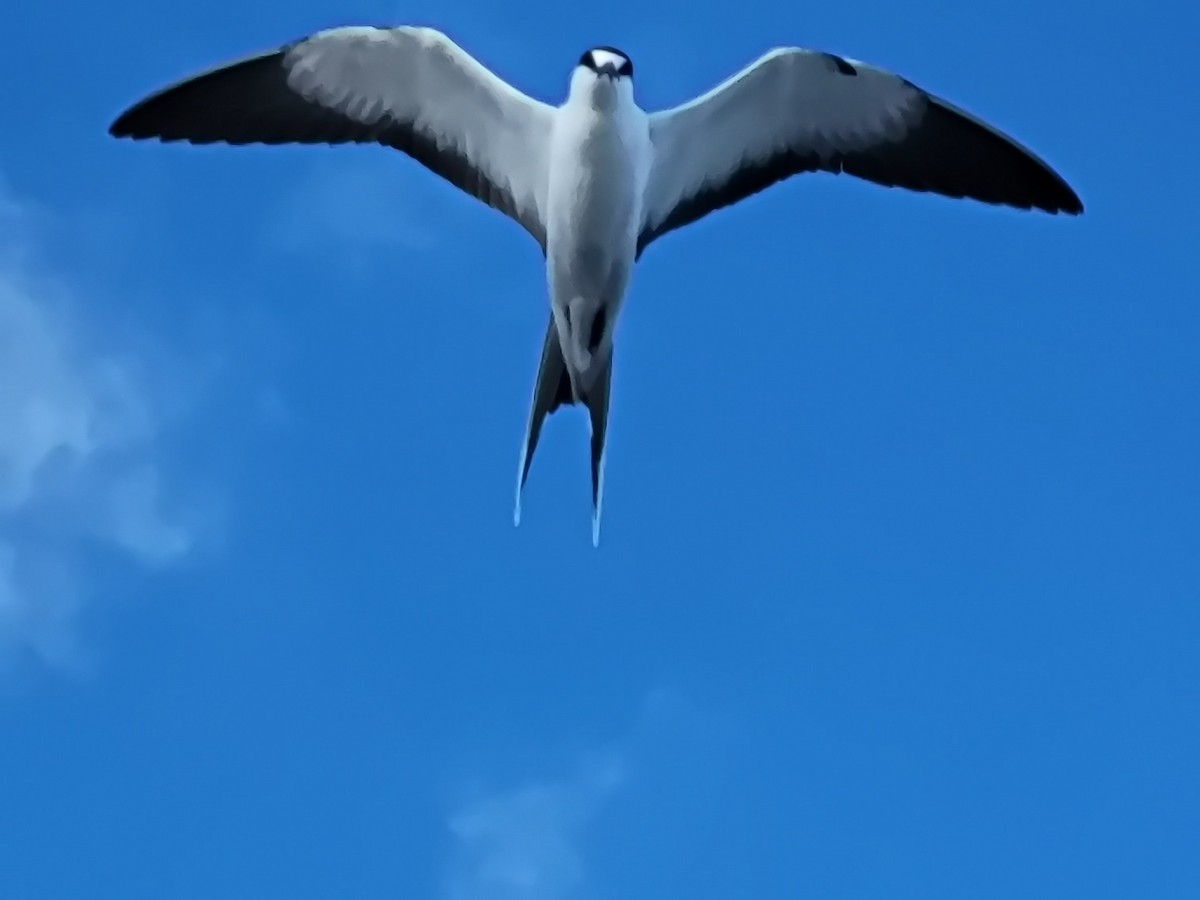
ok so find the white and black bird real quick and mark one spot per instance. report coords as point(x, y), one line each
point(597, 179)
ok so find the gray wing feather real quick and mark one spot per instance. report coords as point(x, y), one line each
point(408, 88)
point(797, 110)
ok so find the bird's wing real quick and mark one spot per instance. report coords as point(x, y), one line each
point(409, 88)
point(796, 110)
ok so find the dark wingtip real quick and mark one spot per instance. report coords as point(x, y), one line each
point(237, 102)
point(120, 127)
point(1063, 199)
point(136, 122)
point(967, 157)
point(1074, 206)
point(133, 125)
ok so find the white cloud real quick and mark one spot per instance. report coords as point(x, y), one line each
point(79, 465)
point(529, 842)
point(523, 844)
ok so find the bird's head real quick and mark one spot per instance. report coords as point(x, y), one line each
point(603, 75)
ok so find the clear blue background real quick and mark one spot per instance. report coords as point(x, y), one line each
point(898, 592)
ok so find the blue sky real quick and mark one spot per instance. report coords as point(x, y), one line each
point(899, 588)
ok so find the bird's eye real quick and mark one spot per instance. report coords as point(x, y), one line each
point(586, 60)
point(626, 68)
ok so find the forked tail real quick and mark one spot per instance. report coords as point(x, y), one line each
point(552, 390)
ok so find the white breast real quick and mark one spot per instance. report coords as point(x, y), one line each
point(599, 164)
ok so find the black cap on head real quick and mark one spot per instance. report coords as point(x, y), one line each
point(607, 59)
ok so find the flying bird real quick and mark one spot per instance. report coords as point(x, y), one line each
point(596, 179)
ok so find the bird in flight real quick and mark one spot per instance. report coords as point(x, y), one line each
point(596, 180)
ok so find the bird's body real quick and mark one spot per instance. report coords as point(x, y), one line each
point(596, 180)
point(599, 162)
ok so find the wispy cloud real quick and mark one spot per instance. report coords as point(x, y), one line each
point(529, 841)
point(523, 843)
point(80, 469)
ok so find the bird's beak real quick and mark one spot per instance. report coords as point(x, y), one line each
point(609, 71)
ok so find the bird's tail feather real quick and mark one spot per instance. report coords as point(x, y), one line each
point(552, 389)
point(597, 406)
